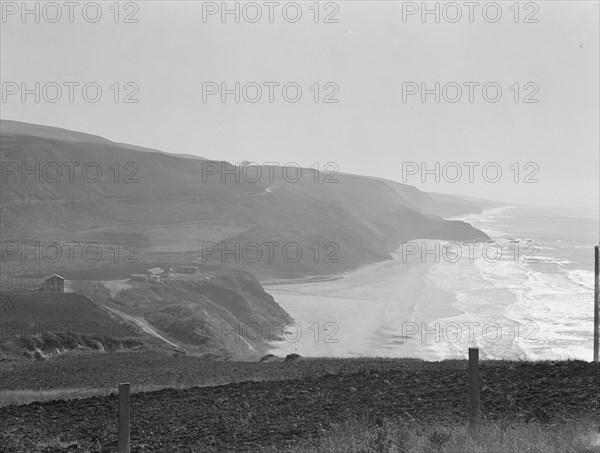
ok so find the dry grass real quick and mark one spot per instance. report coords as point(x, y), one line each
point(568, 436)
point(21, 397)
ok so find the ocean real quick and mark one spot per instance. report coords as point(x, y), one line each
point(539, 290)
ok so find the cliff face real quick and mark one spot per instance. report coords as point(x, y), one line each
point(231, 315)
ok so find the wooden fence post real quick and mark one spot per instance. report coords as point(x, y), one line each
point(124, 418)
point(596, 302)
point(474, 383)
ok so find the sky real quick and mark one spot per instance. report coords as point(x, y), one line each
point(369, 57)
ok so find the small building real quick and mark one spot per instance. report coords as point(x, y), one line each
point(155, 274)
point(139, 277)
point(53, 283)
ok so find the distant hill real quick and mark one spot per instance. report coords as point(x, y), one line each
point(8, 127)
point(454, 205)
point(150, 150)
point(170, 206)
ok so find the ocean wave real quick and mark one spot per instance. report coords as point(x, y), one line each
point(582, 278)
point(549, 259)
point(555, 302)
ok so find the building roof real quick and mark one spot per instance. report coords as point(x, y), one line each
point(49, 276)
point(156, 271)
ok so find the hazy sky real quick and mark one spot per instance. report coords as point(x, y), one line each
point(369, 53)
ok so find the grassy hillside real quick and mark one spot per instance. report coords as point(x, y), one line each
point(231, 315)
point(41, 324)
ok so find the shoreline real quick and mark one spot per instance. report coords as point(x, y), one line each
point(366, 312)
point(332, 277)
point(299, 280)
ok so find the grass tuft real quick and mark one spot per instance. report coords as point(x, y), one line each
point(401, 436)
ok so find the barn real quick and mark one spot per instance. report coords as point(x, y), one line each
point(53, 283)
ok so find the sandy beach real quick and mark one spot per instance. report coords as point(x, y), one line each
point(367, 312)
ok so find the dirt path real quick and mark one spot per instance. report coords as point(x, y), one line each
point(143, 325)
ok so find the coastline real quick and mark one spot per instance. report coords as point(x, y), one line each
point(295, 281)
point(371, 311)
point(385, 309)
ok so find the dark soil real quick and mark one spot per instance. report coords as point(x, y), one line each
point(251, 416)
point(93, 370)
